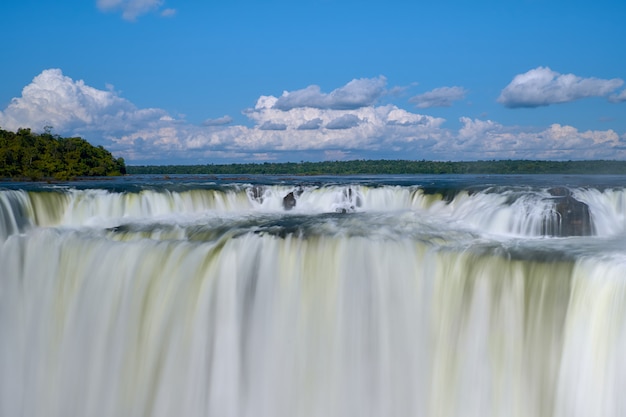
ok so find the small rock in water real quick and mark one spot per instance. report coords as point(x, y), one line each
point(289, 201)
point(573, 215)
point(575, 219)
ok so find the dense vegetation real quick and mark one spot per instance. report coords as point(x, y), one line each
point(393, 167)
point(27, 155)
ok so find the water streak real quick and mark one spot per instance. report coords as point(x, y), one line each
point(361, 300)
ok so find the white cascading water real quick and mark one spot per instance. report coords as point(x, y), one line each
point(221, 303)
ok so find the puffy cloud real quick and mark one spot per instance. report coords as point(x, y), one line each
point(56, 100)
point(357, 93)
point(475, 128)
point(402, 117)
point(383, 131)
point(542, 86)
point(439, 97)
point(131, 9)
point(364, 127)
point(570, 136)
point(485, 139)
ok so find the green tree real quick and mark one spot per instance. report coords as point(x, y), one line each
point(25, 154)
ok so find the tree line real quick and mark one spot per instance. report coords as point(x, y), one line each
point(28, 155)
point(377, 167)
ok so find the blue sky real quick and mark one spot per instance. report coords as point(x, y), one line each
point(165, 81)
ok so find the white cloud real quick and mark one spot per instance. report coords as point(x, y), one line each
point(485, 139)
point(477, 129)
point(439, 97)
point(385, 131)
point(402, 117)
point(364, 127)
point(131, 9)
point(542, 86)
point(56, 100)
point(357, 93)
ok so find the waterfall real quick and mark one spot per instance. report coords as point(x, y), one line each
point(220, 302)
point(509, 212)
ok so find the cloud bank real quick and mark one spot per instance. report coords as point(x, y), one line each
point(304, 124)
point(542, 86)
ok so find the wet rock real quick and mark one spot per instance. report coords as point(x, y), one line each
point(575, 218)
point(289, 201)
point(572, 216)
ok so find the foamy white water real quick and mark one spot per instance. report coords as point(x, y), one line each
point(366, 298)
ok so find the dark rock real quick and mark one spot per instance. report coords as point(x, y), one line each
point(289, 201)
point(572, 216)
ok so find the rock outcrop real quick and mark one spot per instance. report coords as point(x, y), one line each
point(289, 201)
point(572, 215)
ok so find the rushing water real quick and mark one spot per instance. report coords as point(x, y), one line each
point(270, 296)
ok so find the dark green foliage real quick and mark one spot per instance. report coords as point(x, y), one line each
point(27, 155)
point(374, 167)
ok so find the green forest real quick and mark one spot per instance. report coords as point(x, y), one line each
point(374, 167)
point(25, 155)
point(32, 156)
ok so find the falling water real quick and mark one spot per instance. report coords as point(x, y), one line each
point(367, 297)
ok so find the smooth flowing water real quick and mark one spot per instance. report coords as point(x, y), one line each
point(353, 296)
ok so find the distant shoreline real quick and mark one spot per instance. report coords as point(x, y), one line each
point(390, 167)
